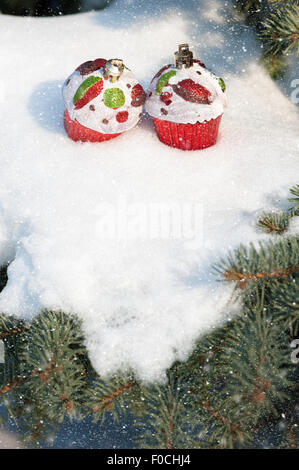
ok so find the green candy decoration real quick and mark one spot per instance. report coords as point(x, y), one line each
point(84, 87)
point(163, 80)
point(221, 83)
point(114, 98)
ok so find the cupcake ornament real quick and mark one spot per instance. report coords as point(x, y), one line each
point(186, 102)
point(102, 100)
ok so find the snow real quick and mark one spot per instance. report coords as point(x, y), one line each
point(77, 221)
point(9, 440)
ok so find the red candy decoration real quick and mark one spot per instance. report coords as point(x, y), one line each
point(191, 91)
point(138, 95)
point(91, 93)
point(99, 63)
point(136, 91)
point(165, 97)
point(86, 67)
point(122, 116)
point(90, 66)
point(199, 90)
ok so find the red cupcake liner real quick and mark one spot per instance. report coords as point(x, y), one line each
point(188, 136)
point(77, 132)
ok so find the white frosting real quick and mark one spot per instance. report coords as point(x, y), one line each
point(93, 118)
point(180, 110)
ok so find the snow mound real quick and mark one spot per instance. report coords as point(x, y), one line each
point(124, 233)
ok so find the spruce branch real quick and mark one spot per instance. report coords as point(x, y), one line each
point(248, 5)
point(286, 304)
point(55, 362)
point(278, 222)
point(259, 380)
point(281, 3)
point(110, 395)
point(294, 200)
point(10, 326)
point(106, 403)
point(275, 64)
point(252, 10)
point(274, 260)
point(11, 386)
point(232, 431)
point(274, 222)
point(276, 23)
point(281, 31)
point(291, 436)
point(166, 419)
point(47, 369)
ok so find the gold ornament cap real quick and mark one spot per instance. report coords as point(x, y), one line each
point(114, 69)
point(183, 58)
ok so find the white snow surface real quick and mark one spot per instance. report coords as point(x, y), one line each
point(144, 299)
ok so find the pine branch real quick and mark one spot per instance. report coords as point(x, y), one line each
point(294, 200)
point(281, 31)
point(242, 278)
point(252, 10)
point(166, 418)
point(279, 222)
point(275, 64)
point(279, 4)
point(259, 359)
point(112, 396)
point(274, 260)
point(247, 5)
point(10, 326)
point(11, 386)
point(286, 304)
point(276, 23)
point(291, 436)
point(49, 374)
point(108, 401)
point(44, 375)
point(274, 222)
point(233, 429)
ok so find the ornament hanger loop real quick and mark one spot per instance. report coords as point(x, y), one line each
point(114, 69)
point(183, 57)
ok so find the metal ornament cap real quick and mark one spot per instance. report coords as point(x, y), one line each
point(114, 69)
point(183, 57)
